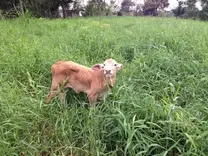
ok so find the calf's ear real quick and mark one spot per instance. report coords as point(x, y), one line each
point(97, 66)
point(119, 66)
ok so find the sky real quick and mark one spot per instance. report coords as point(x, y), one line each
point(173, 3)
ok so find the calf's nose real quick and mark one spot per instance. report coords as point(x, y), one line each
point(108, 71)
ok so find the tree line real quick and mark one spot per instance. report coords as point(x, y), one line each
point(188, 9)
point(49, 8)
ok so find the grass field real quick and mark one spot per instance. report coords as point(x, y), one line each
point(159, 105)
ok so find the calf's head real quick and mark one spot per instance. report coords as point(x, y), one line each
point(110, 66)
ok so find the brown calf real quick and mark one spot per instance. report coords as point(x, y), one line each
point(96, 82)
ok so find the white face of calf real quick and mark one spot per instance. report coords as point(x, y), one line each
point(110, 67)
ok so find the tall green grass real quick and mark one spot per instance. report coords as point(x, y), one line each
point(158, 106)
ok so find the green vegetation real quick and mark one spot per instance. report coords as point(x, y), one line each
point(158, 106)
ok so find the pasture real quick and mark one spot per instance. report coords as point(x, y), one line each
point(159, 105)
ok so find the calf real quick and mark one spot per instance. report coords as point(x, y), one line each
point(96, 81)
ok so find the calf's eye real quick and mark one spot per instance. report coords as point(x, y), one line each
point(115, 64)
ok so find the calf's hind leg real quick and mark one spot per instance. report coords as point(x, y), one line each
point(55, 86)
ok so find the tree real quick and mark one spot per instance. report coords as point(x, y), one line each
point(192, 11)
point(204, 2)
point(191, 4)
point(98, 7)
point(64, 5)
point(151, 7)
point(203, 14)
point(7, 5)
point(112, 7)
point(126, 5)
point(92, 8)
point(138, 10)
point(10, 8)
point(180, 10)
point(39, 8)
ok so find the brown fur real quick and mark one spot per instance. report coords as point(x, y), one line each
point(81, 79)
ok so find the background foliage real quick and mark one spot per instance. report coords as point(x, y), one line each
point(49, 8)
point(158, 106)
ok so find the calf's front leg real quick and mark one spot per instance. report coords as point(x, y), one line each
point(62, 97)
point(92, 98)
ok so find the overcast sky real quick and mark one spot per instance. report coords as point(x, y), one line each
point(173, 3)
